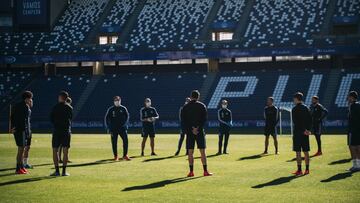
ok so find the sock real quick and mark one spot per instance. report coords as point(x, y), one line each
point(299, 167)
point(18, 167)
point(64, 169)
point(354, 163)
point(191, 168)
point(307, 167)
point(57, 169)
point(26, 161)
point(357, 163)
point(205, 167)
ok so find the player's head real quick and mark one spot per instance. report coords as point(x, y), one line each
point(147, 102)
point(298, 97)
point(27, 96)
point(352, 97)
point(195, 95)
point(270, 101)
point(117, 101)
point(63, 95)
point(224, 104)
point(187, 100)
point(68, 100)
point(315, 100)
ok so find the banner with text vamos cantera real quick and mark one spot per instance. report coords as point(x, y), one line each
point(32, 12)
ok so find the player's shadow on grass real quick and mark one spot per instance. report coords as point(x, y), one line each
point(159, 184)
point(256, 156)
point(162, 158)
point(208, 156)
point(98, 162)
point(275, 182)
point(339, 176)
point(36, 165)
point(28, 180)
point(341, 161)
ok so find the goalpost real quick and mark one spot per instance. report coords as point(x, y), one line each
point(283, 124)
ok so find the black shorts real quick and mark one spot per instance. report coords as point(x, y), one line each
point(61, 139)
point(20, 138)
point(199, 139)
point(316, 129)
point(270, 130)
point(353, 139)
point(148, 132)
point(301, 143)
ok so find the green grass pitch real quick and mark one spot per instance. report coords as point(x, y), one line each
point(241, 176)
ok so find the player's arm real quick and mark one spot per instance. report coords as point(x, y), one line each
point(127, 116)
point(203, 117)
point(324, 112)
point(52, 115)
point(231, 121)
point(277, 115)
point(156, 115)
point(142, 116)
point(107, 119)
point(307, 120)
point(220, 119)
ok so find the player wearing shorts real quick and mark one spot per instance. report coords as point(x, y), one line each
point(271, 115)
point(302, 124)
point(61, 117)
point(21, 128)
point(116, 122)
point(354, 130)
point(182, 130)
point(148, 116)
point(194, 116)
point(225, 120)
point(318, 113)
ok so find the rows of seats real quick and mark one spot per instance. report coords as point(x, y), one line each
point(347, 8)
point(166, 90)
point(283, 23)
point(119, 13)
point(247, 103)
point(12, 83)
point(230, 11)
point(70, 30)
point(168, 24)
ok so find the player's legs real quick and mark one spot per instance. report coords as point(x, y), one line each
point(124, 137)
point(298, 162)
point(114, 141)
point(266, 143)
point(152, 145)
point(357, 156)
point(191, 162)
point(181, 139)
point(307, 162)
point(65, 160)
point(318, 141)
point(19, 159)
point(26, 157)
point(20, 143)
point(221, 136)
point(226, 141)
point(143, 145)
point(56, 161)
point(60, 154)
point(276, 145)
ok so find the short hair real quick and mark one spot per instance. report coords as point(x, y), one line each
point(353, 94)
point(315, 97)
point(117, 98)
point(195, 94)
point(27, 95)
point(64, 94)
point(69, 100)
point(271, 98)
point(299, 96)
point(147, 100)
point(224, 101)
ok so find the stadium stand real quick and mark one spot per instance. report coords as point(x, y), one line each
point(347, 8)
point(168, 24)
point(119, 13)
point(230, 10)
point(284, 23)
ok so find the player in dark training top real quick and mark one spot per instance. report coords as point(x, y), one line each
point(148, 116)
point(116, 122)
point(354, 130)
point(69, 102)
point(61, 118)
point(194, 116)
point(225, 119)
point(318, 113)
point(182, 130)
point(21, 127)
point(302, 124)
point(271, 115)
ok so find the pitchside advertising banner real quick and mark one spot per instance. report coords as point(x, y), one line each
point(32, 12)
